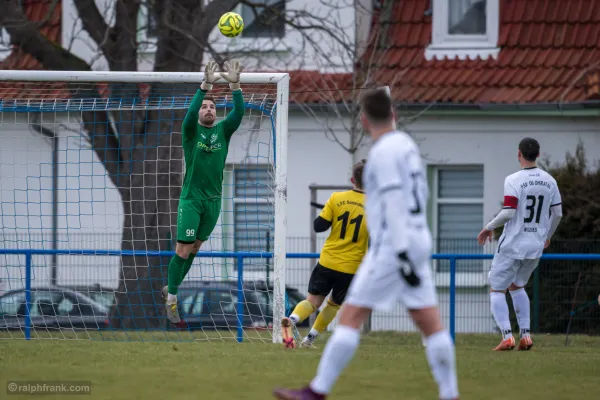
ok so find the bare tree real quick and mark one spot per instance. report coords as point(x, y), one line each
point(136, 146)
point(336, 95)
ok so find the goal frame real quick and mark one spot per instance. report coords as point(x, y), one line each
point(282, 80)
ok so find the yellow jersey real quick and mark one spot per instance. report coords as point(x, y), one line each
point(348, 240)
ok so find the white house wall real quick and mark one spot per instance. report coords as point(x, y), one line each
point(492, 142)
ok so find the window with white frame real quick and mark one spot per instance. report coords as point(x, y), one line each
point(464, 29)
point(458, 214)
point(264, 22)
point(253, 208)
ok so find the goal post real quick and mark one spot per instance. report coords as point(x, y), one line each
point(132, 117)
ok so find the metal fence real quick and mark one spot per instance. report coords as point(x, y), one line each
point(564, 289)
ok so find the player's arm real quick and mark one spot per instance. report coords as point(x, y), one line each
point(555, 214)
point(235, 116)
point(191, 117)
point(509, 209)
point(325, 218)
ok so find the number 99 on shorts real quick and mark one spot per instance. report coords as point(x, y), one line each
point(190, 232)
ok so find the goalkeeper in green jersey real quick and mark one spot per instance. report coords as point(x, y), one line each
point(205, 146)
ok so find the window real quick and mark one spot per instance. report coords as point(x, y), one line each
point(13, 305)
point(464, 28)
point(458, 208)
point(264, 22)
point(222, 302)
point(253, 209)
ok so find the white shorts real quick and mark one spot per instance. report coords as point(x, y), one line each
point(506, 270)
point(378, 285)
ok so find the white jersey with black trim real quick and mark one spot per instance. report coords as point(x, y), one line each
point(532, 192)
point(396, 199)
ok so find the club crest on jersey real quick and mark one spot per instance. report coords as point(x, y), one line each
point(213, 138)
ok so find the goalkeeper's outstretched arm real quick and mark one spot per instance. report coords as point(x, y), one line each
point(191, 118)
point(234, 118)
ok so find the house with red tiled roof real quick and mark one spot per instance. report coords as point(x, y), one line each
point(469, 79)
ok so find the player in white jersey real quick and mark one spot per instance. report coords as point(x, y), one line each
point(397, 264)
point(530, 215)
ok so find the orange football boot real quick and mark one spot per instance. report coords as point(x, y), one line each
point(506, 344)
point(288, 336)
point(525, 343)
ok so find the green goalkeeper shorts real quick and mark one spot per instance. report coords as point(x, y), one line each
point(196, 219)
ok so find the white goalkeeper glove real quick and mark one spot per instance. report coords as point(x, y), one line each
point(234, 69)
point(407, 270)
point(210, 75)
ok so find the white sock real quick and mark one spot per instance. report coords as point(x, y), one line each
point(440, 354)
point(294, 318)
point(171, 298)
point(338, 352)
point(312, 335)
point(499, 308)
point(522, 309)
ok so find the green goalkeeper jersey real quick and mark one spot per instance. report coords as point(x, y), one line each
point(205, 149)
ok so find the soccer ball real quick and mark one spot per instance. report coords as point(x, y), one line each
point(231, 24)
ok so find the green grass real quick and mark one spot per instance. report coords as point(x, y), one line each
point(386, 366)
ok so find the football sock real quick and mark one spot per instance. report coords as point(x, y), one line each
point(302, 311)
point(442, 361)
point(499, 308)
point(522, 309)
point(338, 352)
point(175, 270)
point(186, 267)
point(325, 317)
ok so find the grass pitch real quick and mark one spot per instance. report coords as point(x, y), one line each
point(386, 366)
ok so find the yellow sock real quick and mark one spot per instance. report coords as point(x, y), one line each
point(326, 316)
point(302, 311)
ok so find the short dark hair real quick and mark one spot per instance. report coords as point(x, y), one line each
point(357, 173)
point(210, 98)
point(377, 105)
point(529, 148)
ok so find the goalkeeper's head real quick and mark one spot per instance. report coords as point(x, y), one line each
point(208, 112)
point(357, 174)
point(377, 114)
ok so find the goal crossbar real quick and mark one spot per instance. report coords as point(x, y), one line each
point(132, 76)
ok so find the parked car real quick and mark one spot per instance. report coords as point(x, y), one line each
point(52, 307)
point(100, 294)
point(214, 304)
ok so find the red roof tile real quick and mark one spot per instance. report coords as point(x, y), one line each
point(547, 47)
point(549, 50)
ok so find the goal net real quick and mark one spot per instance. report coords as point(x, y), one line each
point(91, 168)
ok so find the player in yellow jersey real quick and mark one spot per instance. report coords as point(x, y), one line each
point(341, 255)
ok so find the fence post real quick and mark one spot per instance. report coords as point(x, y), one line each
point(536, 300)
point(453, 298)
point(240, 296)
point(28, 295)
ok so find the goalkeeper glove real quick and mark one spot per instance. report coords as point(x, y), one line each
point(210, 76)
point(407, 270)
point(233, 73)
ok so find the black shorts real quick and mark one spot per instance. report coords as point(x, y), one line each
point(324, 280)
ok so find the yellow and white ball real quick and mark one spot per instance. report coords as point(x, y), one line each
point(231, 24)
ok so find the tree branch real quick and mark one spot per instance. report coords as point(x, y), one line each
point(94, 24)
point(27, 36)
